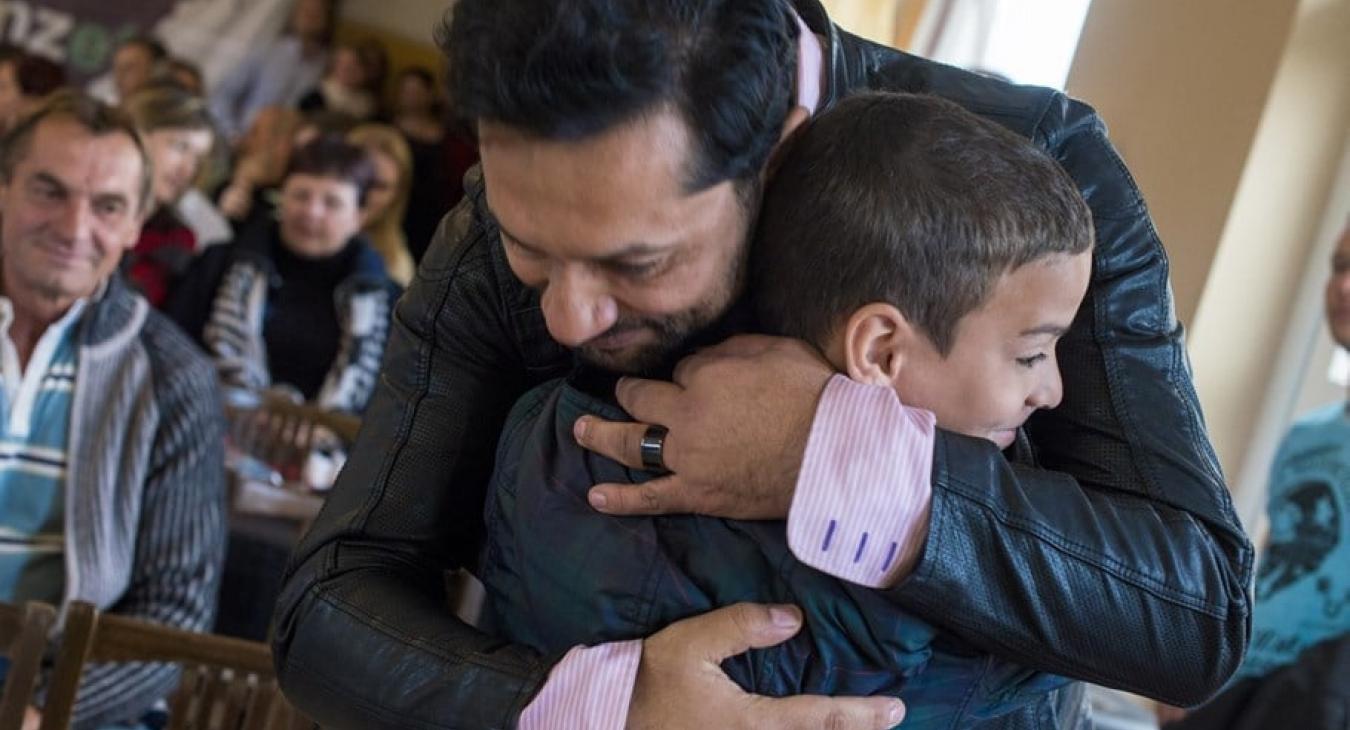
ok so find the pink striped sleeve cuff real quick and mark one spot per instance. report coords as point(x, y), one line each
point(589, 688)
point(860, 512)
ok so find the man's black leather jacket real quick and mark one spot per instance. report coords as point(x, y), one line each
point(1123, 565)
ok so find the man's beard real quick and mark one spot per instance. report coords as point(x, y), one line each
point(676, 334)
point(673, 333)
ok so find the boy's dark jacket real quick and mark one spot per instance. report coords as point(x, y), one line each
point(559, 574)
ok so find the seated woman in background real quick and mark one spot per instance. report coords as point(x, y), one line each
point(440, 156)
point(344, 86)
point(388, 199)
point(178, 134)
point(302, 302)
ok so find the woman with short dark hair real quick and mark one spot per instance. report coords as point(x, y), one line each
point(301, 302)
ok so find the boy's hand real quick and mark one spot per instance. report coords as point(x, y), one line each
point(680, 683)
point(738, 416)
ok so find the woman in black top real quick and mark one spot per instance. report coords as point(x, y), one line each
point(301, 302)
point(440, 156)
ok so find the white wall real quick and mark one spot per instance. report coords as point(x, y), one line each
point(1276, 230)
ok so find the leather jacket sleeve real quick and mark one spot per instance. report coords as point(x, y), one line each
point(363, 637)
point(1125, 565)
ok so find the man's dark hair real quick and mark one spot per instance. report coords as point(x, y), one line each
point(331, 13)
point(909, 200)
point(428, 79)
point(570, 69)
point(38, 76)
point(99, 118)
point(330, 156)
point(151, 44)
point(10, 53)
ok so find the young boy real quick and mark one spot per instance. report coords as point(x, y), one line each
point(921, 249)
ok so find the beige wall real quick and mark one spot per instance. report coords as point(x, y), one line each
point(412, 19)
point(1232, 115)
point(404, 26)
point(1277, 218)
point(871, 19)
point(1182, 84)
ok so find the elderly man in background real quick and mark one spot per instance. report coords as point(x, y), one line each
point(112, 476)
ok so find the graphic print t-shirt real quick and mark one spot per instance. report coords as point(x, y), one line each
point(1303, 580)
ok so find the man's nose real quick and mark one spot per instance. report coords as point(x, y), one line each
point(76, 221)
point(577, 307)
point(1342, 285)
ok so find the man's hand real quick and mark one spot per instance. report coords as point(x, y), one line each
point(681, 685)
point(738, 416)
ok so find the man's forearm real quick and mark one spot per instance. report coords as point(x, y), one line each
point(1026, 564)
point(1103, 586)
point(591, 688)
point(861, 507)
point(445, 674)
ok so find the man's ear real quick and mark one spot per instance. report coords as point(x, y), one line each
point(877, 339)
point(796, 120)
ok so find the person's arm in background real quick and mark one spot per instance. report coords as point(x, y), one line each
point(1121, 563)
point(229, 97)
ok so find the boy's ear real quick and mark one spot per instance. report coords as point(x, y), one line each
point(877, 338)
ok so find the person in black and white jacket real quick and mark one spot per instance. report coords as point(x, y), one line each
point(303, 302)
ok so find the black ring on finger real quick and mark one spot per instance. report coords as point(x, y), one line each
point(651, 447)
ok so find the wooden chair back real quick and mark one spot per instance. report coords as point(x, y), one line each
point(24, 632)
point(279, 432)
point(227, 683)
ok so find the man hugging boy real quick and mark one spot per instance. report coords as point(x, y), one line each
point(920, 249)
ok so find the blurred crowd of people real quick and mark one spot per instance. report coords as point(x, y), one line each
point(268, 226)
point(298, 163)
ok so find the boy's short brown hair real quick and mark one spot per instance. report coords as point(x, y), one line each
point(906, 199)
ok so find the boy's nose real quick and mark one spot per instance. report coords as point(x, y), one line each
point(1048, 393)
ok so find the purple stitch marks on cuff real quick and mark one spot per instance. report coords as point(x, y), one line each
point(829, 535)
point(890, 555)
point(861, 544)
